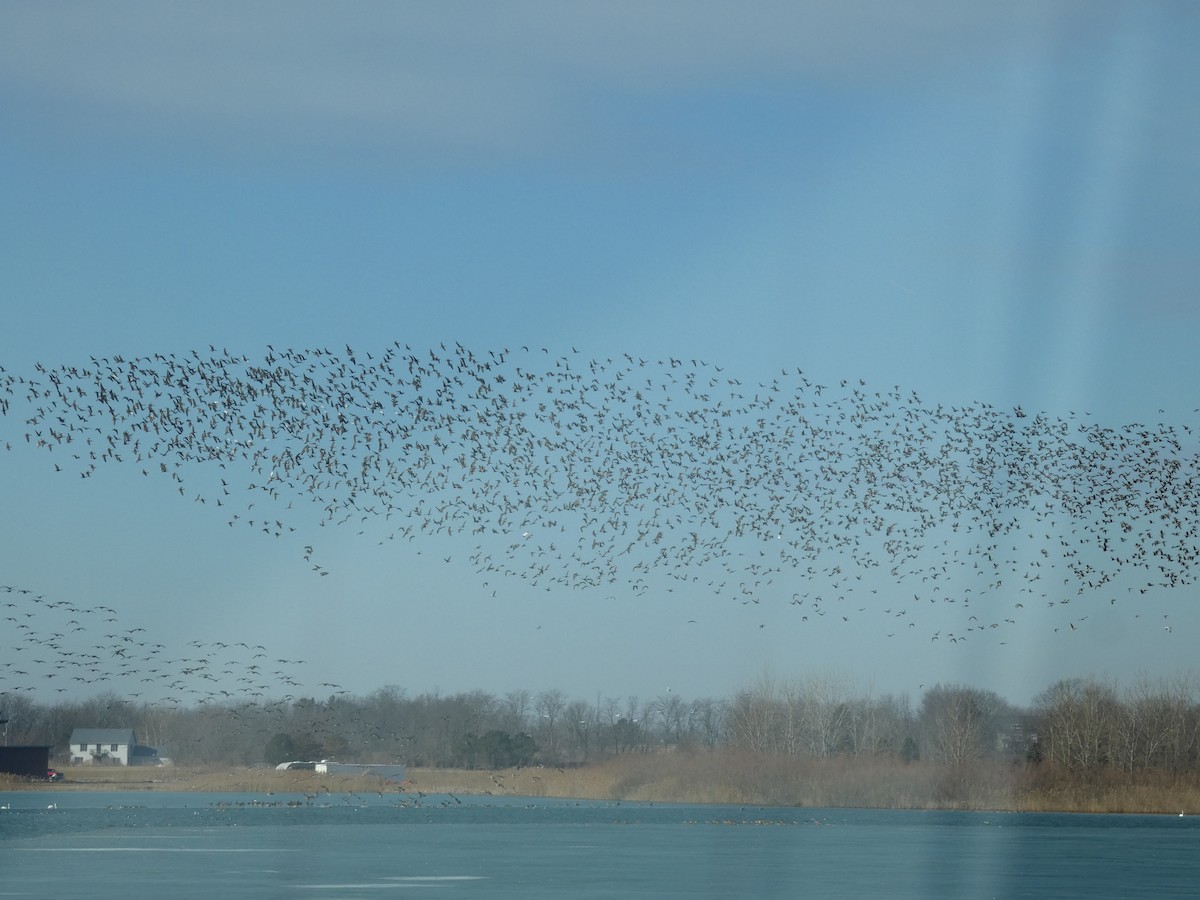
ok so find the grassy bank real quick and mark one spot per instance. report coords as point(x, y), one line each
point(743, 778)
point(729, 777)
point(195, 778)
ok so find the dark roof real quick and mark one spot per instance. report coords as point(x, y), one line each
point(103, 736)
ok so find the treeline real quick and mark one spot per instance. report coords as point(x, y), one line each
point(1080, 725)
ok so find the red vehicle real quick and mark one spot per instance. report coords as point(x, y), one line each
point(54, 775)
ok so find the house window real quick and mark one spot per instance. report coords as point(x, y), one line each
point(113, 747)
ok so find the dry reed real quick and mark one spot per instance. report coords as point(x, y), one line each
point(718, 777)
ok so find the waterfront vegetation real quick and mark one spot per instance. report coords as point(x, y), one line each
point(1084, 745)
point(696, 776)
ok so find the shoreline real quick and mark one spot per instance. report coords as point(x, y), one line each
point(692, 781)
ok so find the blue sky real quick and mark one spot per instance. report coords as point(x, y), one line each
point(978, 203)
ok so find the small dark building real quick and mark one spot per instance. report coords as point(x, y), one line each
point(30, 761)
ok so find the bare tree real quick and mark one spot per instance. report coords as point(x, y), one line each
point(516, 707)
point(880, 725)
point(959, 723)
point(549, 708)
point(708, 721)
point(752, 719)
point(1161, 725)
point(579, 718)
point(1078, 719)
point(825, 715)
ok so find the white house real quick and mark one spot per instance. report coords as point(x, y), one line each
point(102, 746)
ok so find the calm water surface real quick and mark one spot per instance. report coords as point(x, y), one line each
point(189, 845)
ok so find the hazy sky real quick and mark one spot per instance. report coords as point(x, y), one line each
point(984, 203)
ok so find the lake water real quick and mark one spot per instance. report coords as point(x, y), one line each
point(224, 846)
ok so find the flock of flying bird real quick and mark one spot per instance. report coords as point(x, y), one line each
point(626, 475)
point(65, 646)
